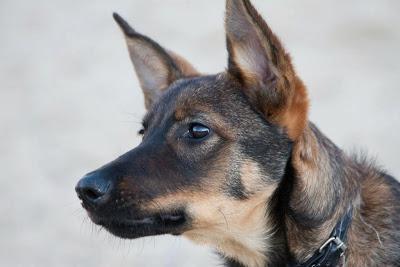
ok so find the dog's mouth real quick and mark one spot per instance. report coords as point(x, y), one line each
point(155, 224)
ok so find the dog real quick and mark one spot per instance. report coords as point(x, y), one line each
point(232, 161)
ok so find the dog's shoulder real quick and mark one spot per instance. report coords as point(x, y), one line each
point(377, 222)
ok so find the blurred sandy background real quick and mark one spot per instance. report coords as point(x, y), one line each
point(70, 102)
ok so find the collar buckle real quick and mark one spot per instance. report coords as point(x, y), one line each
point(338, 242)
point(332, 251)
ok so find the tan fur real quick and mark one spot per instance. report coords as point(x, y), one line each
point(311, 193)
point(263, 61)
point(251, 177)
point(295, 116)
point(187, 69)
point(312, 163)
point(238, 229)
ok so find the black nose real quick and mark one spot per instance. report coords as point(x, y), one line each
point(94, 190)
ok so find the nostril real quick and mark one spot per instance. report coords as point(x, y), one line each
point(92, 194)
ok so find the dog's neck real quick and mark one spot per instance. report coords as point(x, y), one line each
point(318, 195)
point(310, 200)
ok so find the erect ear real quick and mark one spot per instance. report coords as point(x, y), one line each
point(259, 62)
point(155, 67)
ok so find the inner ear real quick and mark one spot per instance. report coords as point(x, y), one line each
point(259, 62)
point(156, 67)
point(252, 56)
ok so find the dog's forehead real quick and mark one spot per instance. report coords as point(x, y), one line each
point(203, 90)
point(207, 94)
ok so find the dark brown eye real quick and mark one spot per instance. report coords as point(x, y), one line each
point(198, 131)
point(141, 131)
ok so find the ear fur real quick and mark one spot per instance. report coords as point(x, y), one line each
point(155, 66)
point(258, 60)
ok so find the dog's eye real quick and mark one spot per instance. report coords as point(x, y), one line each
point(144, 127)
point(198, 131)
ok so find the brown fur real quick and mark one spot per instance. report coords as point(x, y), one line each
point(289, 105)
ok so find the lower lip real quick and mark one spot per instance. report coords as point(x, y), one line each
point(135, 228)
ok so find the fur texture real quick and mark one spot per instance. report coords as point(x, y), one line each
point(231, 161)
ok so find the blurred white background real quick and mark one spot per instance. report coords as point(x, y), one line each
point(70, 102)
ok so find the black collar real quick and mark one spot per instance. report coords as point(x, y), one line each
point(330, 253)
